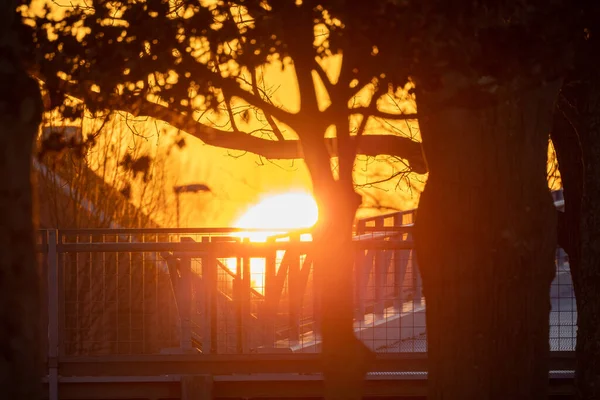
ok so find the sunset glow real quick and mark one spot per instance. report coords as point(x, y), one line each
point(281, 213)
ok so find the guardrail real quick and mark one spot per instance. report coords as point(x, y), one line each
point(138, 285)
point(258, 376)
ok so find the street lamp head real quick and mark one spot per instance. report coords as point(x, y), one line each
point(193, 188)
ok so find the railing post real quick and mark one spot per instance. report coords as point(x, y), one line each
point(360, 226)
point(294, 293)
point(317, 287)
point(401, 260)
point(379, 275)
point(379, 283)
point(185, 306)
point(53, 306)
point(209, 280)
point(269, 309)
point(242, 292)
point(417, 283)
point(361, 271)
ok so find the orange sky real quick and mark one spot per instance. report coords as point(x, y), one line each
point(238, 181)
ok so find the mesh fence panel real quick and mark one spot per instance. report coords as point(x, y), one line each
point(123, 302)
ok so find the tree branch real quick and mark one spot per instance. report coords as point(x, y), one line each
point(371, 112)
point(234, 89)
point(268, 116)
point(369, 145)
point(324, 78)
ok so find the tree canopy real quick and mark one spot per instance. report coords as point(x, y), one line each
point(175, 60)
point(178, 60)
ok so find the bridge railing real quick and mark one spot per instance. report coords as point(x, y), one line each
point(146, 292)
point(124, 293)
point(151, 291)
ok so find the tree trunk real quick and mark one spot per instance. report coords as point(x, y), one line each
point(485, 240)
point(345, 358)
point(20, 116)
point(576, 136)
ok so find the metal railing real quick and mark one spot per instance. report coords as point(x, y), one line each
point(133, 302)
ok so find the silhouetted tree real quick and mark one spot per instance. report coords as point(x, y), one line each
point(486, 76)
point(20, 115)
point(576, 136)
point(170, 59)
point(485, 232)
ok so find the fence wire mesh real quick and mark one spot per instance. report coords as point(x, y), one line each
point(116, 301)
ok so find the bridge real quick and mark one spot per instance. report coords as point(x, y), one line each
point(145, 312)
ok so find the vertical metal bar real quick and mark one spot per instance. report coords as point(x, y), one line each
point(294, 294)
point(398, 217)
point(208, 277)
point(185, 306)
point(177, 207)
point(379, 272)
point(60, 257)
point(416, 275)
point(317, 287)
point(245, 327)
point(143, 283)
point(359, 284)
point(130, 304)
point(43, 270)
point(401, 258)
point(378, 275)
point(89, 301)
point(238, 300)
point(269, 311)
point(156, 281)
point(118, 297)
point(52, 316)
point(213, 293)
point(360, 227)
point(75, 338)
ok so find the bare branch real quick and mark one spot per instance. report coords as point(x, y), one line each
point(372, 112)
point(268, 116)
point(234, 89)
point(370, 145)
point(227, 100)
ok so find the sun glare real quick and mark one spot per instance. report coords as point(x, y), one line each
point(281, 213)
point(275, 215)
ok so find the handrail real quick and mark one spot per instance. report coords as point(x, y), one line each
point(226, 364)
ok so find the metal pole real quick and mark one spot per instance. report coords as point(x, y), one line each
point(185, 306)
point(52, 316)
point(177, 206)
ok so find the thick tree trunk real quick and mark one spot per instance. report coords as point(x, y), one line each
point(346, 359)
point(20, 116)
point(587, 375)
point(485, 240)
point(576, 135)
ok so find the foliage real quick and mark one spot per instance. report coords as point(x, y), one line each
point(176, 60)
point(112, 183)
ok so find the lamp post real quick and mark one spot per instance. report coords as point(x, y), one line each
point(191, 188)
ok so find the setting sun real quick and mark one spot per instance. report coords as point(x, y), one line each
point(277, 215)
point(281, 212)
